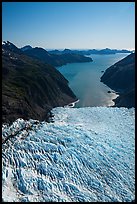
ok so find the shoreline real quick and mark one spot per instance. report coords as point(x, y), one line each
point(71, 105)
point(113, 98)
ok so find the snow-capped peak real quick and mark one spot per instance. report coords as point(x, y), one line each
point(10, 47)
point(7, 43)
point(3, 42)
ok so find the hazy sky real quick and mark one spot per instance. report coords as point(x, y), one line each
point(69, 24)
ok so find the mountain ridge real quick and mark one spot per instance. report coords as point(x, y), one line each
point(105, 51)
point(55, 59)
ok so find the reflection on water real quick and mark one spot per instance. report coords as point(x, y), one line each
point(84, 80)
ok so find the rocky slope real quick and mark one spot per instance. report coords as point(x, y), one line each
point(121, 78)
point(30, 88)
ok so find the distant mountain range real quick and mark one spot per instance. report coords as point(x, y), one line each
point(105, 51)
point(30, 88)
point(121, 78)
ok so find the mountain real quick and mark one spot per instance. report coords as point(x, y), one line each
point(105, 51)
point(30, 88)
point(41, 54)
point(55, 59)
point(126, 51)
point(121, 78)
point(56, 52)
point(10, 47)
point(66, 51)
point(27, 47)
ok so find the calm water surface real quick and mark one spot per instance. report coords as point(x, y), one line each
point(84, 80)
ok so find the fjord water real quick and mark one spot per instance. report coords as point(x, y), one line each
point(84, 80)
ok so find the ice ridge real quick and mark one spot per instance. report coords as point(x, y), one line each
point(87, 154)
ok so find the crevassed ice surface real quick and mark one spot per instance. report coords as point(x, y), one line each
point(87, 154)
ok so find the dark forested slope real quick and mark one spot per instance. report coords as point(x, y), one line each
point(30, 88)
point(121, 78)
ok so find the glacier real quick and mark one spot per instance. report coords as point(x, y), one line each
point(85, 154)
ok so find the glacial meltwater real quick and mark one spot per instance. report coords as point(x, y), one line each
point(86, 154)
point(84, 80)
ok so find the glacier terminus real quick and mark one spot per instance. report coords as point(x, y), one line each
point(85, 154)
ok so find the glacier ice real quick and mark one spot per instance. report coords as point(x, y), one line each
point(86, 154)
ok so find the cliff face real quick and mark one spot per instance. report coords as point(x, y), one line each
point(121, 78)
point(30, 88)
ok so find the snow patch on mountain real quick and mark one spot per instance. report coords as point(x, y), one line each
point(3, 42)
point(86, 154)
